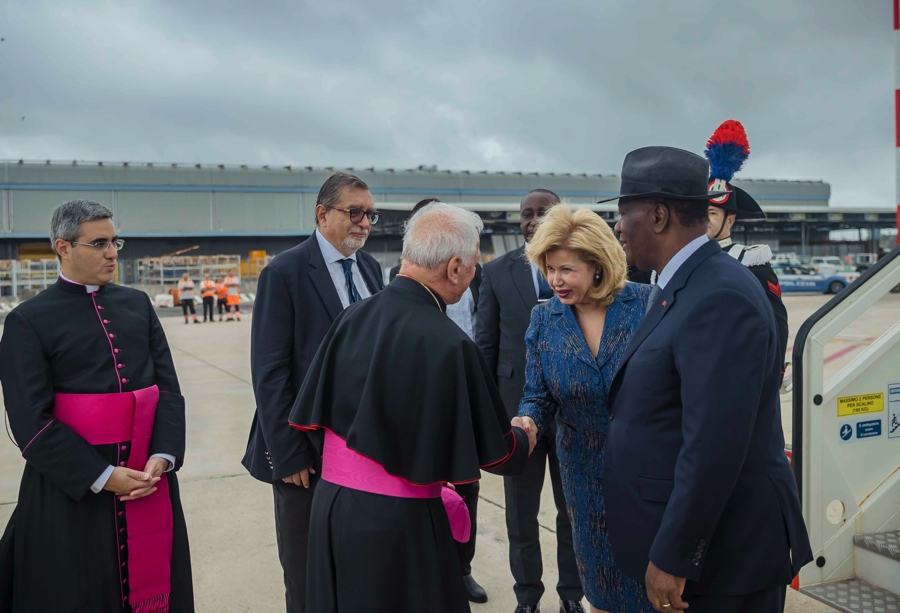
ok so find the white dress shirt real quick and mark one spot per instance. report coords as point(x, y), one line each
point(333, 259)
point(680, 258)
point(535, 271)
point(463, 313)
point(106, 474)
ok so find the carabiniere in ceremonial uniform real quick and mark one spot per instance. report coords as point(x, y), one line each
point(726, 150)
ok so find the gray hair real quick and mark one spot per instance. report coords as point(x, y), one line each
point(331, 191)
point(67, 218)
point(446, 232)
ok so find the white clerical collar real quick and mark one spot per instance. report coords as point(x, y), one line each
point(329, 252)
point(680, 258)
point(89, 289)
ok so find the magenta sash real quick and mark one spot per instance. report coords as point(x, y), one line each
point(145, 553)
point(347, 468)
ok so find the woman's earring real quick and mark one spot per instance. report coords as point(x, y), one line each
point(596, 279)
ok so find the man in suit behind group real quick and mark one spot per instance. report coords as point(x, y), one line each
point(300, 293)
point(701, 502)
point(510, 289)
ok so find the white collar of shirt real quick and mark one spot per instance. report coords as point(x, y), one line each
point(680, 258)
point(329, 252)
point(89, 289)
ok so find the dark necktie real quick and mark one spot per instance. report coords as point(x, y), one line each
point(348, 275)
point(654, 294)
point(545, 292)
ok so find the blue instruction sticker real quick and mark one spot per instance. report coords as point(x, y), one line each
point(868, 429)
point(846, 432)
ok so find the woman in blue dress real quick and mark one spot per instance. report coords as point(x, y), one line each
point(575, 342)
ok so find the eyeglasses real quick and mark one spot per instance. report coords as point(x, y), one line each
point(356, 215)
point(103, 245)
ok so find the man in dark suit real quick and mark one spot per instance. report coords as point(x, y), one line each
point(463, 313)
point(300, 293)
point(701, 502)
point(510, 289)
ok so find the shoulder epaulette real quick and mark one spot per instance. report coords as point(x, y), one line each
point(754, 255)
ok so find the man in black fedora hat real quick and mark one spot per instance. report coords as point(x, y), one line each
point(701, 502)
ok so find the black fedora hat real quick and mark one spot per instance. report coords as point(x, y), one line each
point(665, 172)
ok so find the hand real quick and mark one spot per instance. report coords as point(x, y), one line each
point(301, 478)
point(664, 590)
point(527, 424)
point(130, 484)
point(450, 486)
point(156, 466)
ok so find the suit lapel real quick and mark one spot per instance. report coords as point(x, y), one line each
point(372, 282)
point(321, 279)
point(666, 300)
point(613, 327)
point(571, 329)
point(520, 271)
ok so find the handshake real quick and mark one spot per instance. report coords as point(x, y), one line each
point(527, 424)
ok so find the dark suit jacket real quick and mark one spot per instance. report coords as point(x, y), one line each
point(295, 304)
point(696, 479)
point(505, 302)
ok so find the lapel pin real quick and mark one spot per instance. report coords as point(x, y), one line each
point(664, 303)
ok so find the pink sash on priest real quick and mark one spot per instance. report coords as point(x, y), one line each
point(145, 552)
point(345, 467)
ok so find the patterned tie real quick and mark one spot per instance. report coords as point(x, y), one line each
point(545, 292)
point(654, 294)
point(348, 275)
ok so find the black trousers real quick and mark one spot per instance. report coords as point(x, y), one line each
point(221, 302)
point(523, 501)
point(770, 600)
point(466, 551)
point(293, 505)
point(208, 302)
point(188, 304)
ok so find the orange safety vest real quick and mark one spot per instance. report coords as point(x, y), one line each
point(221, 291)
point(209, 289)
point(234, 287)
point(186, 289)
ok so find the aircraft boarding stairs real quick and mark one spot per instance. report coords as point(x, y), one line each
point(846, 452)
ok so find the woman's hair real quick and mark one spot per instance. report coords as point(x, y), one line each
point(585, 233)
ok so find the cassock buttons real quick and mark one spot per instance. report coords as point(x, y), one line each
point(112, 336)
point(124, 380)
point(106, 321)
point(120, 366)
point(116, 350)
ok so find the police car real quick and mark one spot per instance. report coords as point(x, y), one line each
point(802, 279)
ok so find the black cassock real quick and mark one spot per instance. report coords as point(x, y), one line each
point(59, 551)
point(405, 387)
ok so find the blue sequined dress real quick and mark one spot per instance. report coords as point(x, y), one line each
point(564, 381)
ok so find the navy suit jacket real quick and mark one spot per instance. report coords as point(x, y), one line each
point(296, 302)
point(505, 302)
point(696, 479)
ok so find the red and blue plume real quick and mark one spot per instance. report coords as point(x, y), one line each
point(726, 150)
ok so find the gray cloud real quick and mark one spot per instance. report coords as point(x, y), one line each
point(569, 86)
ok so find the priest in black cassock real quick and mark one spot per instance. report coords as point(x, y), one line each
point(380, 537)
point(95, 407)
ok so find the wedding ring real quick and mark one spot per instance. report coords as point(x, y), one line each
point(666, 606)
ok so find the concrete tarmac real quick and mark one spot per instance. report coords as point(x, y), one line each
point(229, 514)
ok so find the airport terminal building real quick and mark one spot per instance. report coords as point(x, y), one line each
point(163, 208)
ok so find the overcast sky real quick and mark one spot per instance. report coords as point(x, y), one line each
point(562, 86)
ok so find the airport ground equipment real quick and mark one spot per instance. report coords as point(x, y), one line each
point(846, 452)
point(23, 278)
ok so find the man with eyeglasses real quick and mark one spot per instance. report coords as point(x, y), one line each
point(96, 409)
point(299, 295)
